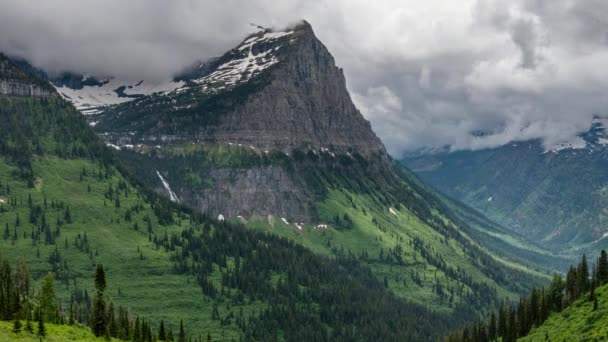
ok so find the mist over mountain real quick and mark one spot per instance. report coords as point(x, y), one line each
point(428, 75)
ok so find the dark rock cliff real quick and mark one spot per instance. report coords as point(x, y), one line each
point(276, 91)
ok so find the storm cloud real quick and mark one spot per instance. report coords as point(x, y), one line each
point(467, 74)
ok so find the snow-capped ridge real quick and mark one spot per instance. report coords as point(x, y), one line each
point(255, 54)
point(90, 99)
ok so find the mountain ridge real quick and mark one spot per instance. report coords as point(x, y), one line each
point(551, 193)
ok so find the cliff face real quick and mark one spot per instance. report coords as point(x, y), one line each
point(14, 82)
point(306, 105)
point(254, 192)
point(277, 91)
point(19, 88)
point(274, 91)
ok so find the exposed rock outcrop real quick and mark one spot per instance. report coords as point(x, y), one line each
point(15, 82)
point(19, 88)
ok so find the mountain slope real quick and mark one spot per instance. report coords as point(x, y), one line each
point(66, 205)
point(555, 195)
point(579, 322)
point(267, 136)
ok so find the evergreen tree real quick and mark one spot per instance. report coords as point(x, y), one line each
point(48, 300)
point(595, 303)
point(583, 276)
point(98, 321)
point(182, 333)
point(556, 293)
point(492, 332)
point(162, 335)
point(602, 268)
point(41, 327)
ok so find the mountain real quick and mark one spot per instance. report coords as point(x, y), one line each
point(275, 91)
point(268, 137)
point(554, 194)
point(67, 205)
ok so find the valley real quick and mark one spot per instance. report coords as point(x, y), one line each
point(247, 198)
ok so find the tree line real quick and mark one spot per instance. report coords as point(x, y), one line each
point(515, 319)
point(19, 302)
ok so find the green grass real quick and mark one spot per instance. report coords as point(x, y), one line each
point(376, 229)
point(54, 333)
point(148, 287)
point(578, 322)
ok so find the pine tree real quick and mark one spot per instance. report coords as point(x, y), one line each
point(602, 268)
point(594, 302)
point(182, 333)
point(162, 335)
point(48, 301)
point(98, 321)
point(556, 293)
point(41, 328)
point(583, 276)
point(137, 331)
point(492, 332)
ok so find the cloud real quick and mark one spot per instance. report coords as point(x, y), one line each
point(425, 73)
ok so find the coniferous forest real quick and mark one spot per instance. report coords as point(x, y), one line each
point(513, 320)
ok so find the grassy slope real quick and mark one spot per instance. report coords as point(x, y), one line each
point(399, 228)
point(148, 287)
point(498, 239)
point(54, 333)
point(578, 322)
point(375, 229)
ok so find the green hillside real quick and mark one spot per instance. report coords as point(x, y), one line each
point(54, 333)
point(570, 309)
point(66, 205)
point(373, 211)
point(581, 321)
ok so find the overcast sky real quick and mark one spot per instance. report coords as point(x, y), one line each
point(425, 73)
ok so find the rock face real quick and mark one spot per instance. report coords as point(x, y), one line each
point(276, 91)
point(18, 88)
point(14, 82)
point(253, 192)
point(306, 105)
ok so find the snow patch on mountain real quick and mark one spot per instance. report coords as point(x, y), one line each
point(575, 144)
point(172, 195)
point(248, 62)
point(91, 98)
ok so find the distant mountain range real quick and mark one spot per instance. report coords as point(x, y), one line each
point(556, 195)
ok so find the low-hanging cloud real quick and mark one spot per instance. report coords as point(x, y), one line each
point(425, 73)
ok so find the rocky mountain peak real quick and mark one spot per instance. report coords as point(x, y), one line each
point(276, 90)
